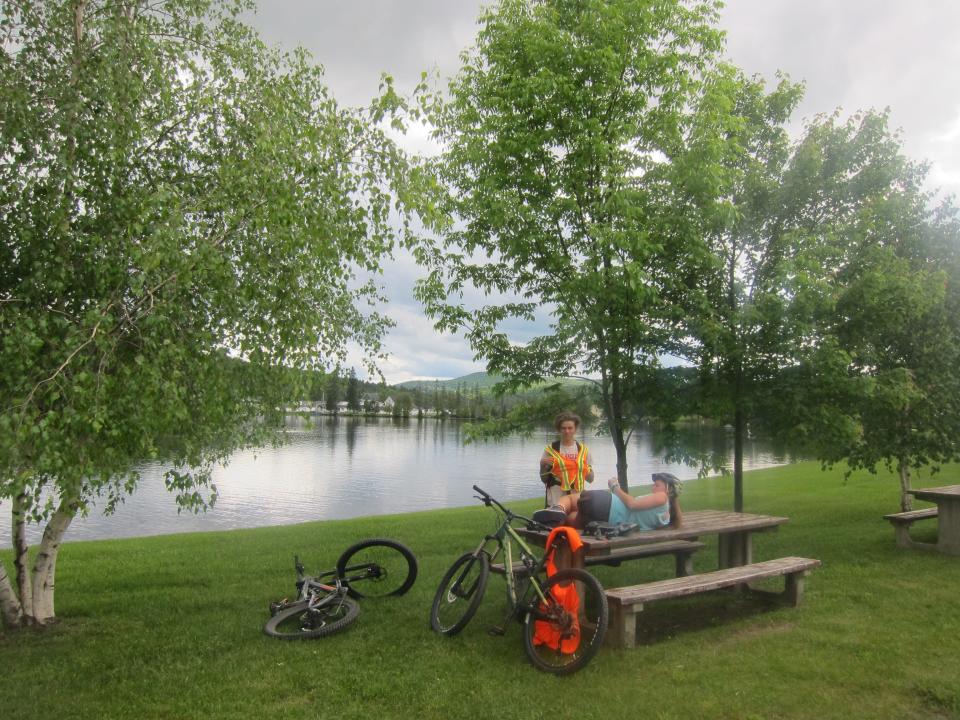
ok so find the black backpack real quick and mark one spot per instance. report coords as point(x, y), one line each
point(608, 530)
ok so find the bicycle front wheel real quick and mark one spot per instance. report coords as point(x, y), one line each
point(298, 622)
point(563, 634)
point(377, 567)
point(460, 593)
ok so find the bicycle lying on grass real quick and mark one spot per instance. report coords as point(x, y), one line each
point(371, 568)
point(564, 616)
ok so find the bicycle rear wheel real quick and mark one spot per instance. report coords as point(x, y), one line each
point(377, 567)
point(460, 593)
point(298, 622)
point(557, 639)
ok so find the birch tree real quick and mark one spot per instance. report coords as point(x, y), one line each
point(184, 215)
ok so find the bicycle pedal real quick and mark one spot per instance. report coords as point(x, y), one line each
point(496, 631)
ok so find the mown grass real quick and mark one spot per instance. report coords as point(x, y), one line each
point(170, 627)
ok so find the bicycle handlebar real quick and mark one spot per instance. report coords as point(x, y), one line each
point(490, 500)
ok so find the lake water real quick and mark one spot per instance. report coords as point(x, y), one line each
point(350, 467)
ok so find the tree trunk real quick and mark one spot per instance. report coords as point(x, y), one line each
point(613, 398)
point(906, 499)
point(44, 568)
point(739, 421)
point(621, 447)
point(739, 429)
point(20, 557)
point(10, 608)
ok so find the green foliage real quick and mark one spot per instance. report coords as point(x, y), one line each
point(895, 322)
point(561, 133)
point(353, 391)
point(185, 214)
point(333, 392)
point(533, 412)
point(825, 281)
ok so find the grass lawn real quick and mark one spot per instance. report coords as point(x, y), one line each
point(170, 627)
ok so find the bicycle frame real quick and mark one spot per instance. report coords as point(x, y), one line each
point(316, 593)
point(505, 537)
point(366, 571)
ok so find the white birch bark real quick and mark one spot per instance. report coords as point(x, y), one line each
point(10, 608)
point(20, 559)
point(45, 565)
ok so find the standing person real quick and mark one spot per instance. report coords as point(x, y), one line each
point(658, 508)
point(565, 465)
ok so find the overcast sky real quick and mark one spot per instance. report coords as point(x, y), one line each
point(852, 54)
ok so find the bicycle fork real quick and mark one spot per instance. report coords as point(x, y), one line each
point(515, 607)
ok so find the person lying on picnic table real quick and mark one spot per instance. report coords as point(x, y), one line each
point(659, 508)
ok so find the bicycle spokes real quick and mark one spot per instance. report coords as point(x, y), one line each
point(565, 630)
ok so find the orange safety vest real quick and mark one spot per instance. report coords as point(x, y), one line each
point(571, 473)
point(567, 640)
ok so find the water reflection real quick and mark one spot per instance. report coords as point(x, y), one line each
point(351, 425)
point(349, 467)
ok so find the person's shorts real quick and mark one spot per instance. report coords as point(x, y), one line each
point(594, 505)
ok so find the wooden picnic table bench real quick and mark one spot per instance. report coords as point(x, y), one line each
point(947, 499)
point(902, 521)
point(626, 602)
point(682, 550)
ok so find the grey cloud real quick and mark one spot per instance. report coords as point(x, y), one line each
point(863, 54)
point(356, 41)
point(853, 54)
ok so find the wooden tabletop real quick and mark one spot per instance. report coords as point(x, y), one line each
point(696, 523)
point(947, 491)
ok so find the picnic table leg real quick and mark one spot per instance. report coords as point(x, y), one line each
point(793, 592)
point(735, 549)
point(622, 632)
point(565, 558)
point(684, 563)
point(902, 534)
point(948, 526)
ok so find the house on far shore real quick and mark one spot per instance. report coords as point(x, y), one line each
point(370, 402)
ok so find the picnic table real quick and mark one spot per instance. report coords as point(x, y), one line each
point(947, 499)
point(737, 570)
point(734, 529)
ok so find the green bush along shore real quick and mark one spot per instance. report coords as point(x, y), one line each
point(170, 627)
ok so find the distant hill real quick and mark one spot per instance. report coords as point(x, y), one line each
point(480, 380)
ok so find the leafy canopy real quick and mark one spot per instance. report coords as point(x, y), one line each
point(185, 214)
point(561, 135)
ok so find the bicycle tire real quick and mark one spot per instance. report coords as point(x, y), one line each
point(298, 623)
point(592, 624)
point(391, 568)
point(457, 601)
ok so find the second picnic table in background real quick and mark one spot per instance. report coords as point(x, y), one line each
point(947, 499)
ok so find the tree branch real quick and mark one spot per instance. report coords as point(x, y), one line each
point(131, 318)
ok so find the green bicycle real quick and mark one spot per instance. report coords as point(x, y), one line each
point(564, 616)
